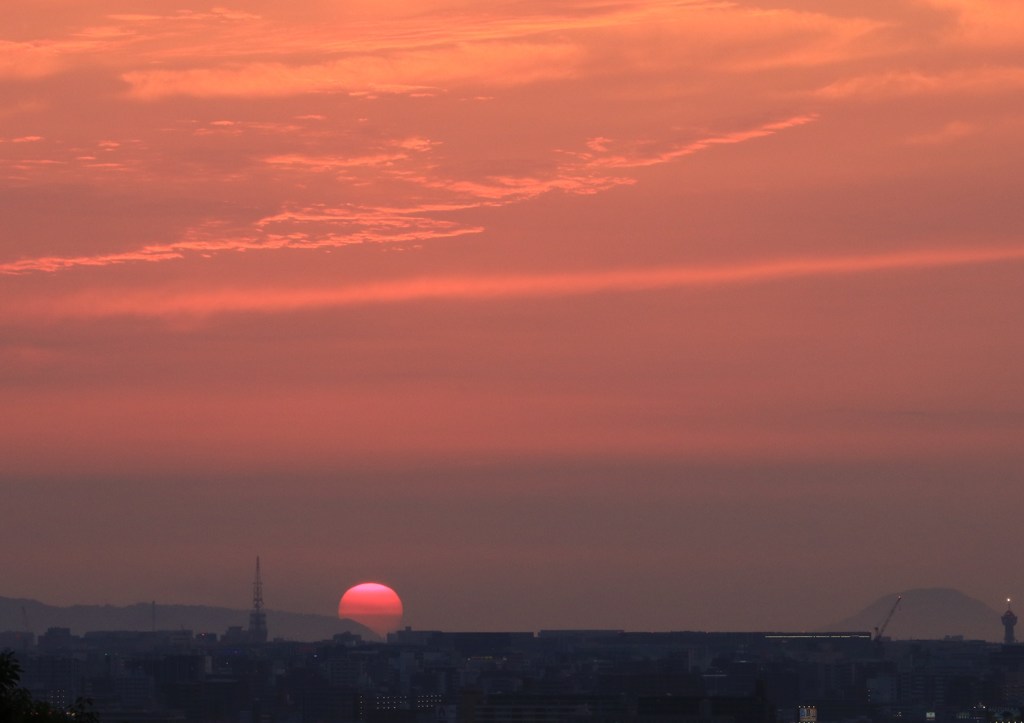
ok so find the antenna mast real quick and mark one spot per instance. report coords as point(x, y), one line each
point(257, 617)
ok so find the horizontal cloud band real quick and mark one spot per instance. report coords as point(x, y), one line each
point(517, 286)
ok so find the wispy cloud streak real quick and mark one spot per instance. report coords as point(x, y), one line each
point(476, 288)
point(312, 227)
point(382, 230)
point(641, 158)
point(988, 79)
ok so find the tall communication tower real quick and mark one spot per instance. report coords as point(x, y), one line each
point(257, 618)
point(1009, 620)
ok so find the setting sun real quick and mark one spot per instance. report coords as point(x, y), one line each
point(376, 606)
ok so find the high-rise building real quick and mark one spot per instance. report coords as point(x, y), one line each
point(257, 617)
point(807, 714)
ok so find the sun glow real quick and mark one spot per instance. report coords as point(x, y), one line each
point(376, 606)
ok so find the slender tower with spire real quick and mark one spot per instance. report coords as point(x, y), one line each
point(1009, 620)
point(257, 618)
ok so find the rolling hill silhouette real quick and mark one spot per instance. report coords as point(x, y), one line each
point(197, 618)
point(928, 614)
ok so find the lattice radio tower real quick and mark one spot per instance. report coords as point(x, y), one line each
point(257, 618)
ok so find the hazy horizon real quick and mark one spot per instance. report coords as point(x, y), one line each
point(922, 614)
point(495, 595)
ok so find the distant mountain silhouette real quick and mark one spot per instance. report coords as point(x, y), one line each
point(197, 618)
point(929, 614)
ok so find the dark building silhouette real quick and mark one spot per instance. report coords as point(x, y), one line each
point(1009, 621)
point(555, 676)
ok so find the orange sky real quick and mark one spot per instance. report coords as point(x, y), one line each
point(640, 314)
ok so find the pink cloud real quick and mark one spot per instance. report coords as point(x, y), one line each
point(269, 300)
point(324, 226)
point(952, 131)
point(368, 227)
point(895, 84)
point(639, 156)
point(333, 163)
point(503, 64)
point(408, 54)
point(986, 22)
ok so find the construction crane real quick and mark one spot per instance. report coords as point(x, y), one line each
point(880, 630)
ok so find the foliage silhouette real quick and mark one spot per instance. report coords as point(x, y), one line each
point(17, 706)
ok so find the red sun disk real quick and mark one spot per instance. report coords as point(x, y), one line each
point(376, 606)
